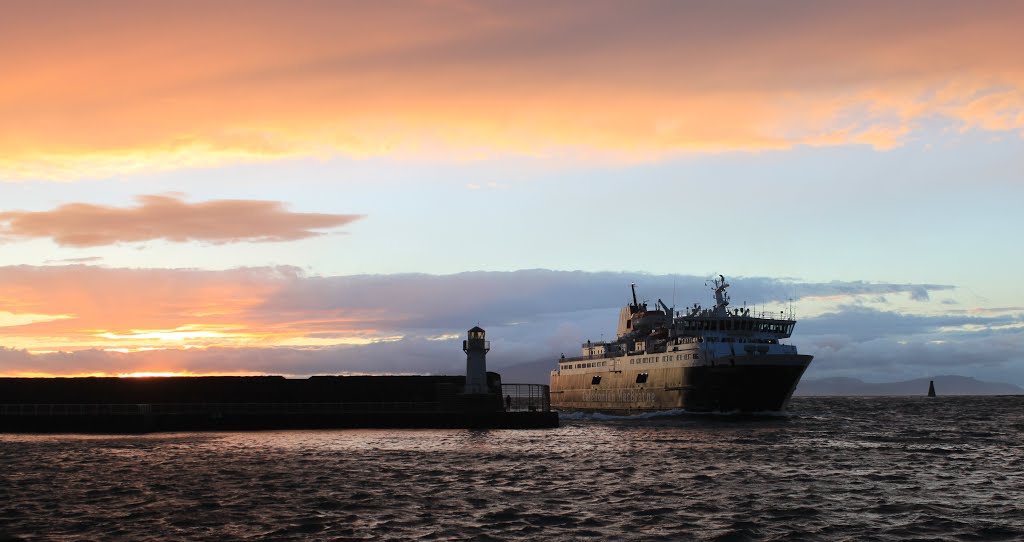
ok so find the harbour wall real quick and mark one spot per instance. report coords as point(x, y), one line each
point(256, 403)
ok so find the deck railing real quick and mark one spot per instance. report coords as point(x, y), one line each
point(527, 397)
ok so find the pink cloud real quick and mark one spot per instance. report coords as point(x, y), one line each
point(168, 218)
point(265, 80)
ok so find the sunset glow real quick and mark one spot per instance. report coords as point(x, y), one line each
point(144, 374)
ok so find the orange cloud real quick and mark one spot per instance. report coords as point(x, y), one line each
point(77, 307)
point(128, 86)
point(169, 218)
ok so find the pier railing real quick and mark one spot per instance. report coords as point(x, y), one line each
point(527, 397)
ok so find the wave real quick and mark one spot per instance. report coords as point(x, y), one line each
point(605, 417)
point(674, 413)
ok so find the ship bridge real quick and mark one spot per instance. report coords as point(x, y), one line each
point(751, 326)
point(737, 323)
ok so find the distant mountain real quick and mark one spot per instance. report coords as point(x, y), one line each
point(531, 372)
point(944, 385)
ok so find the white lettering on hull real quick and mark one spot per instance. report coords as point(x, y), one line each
point(619, 396)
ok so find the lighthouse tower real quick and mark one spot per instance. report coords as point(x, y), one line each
point(476, 348)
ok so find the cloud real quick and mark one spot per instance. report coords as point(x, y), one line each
point(993, 355)
point(80, 319)
point(84, 259)
point(888, 359)
point(431, 300)
point(267, 80)
point(407, 357)
point(883, 346)
point(857, 323)
point(168, 218)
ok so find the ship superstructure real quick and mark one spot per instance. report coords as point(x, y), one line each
point(698, 359)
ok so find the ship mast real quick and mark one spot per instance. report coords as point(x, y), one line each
point(721, 296)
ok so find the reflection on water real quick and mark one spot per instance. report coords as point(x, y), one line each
point(884, 468)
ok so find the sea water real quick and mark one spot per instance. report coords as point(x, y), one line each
point(829, 469)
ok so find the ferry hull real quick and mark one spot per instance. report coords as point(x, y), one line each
point(744, 384)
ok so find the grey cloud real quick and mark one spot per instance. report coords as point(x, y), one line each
point(885, 346)
point(431, 301)
point(861, 323)
point(892, 358)
point(919, 294)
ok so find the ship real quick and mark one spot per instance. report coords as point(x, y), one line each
point(716, 359)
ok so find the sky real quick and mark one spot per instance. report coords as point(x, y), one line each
point(325, 187)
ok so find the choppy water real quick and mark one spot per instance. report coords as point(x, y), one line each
point(831, 469)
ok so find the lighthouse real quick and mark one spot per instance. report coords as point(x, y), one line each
point(476, 348)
